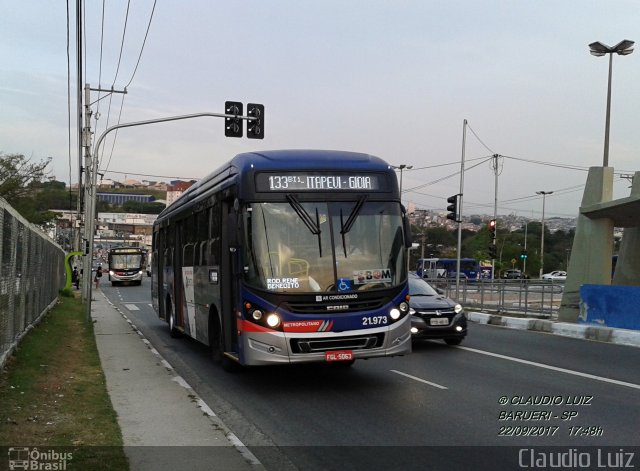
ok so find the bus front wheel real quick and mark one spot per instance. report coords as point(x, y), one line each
point(216, 346)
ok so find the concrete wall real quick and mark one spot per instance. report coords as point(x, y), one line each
point(592, 248)
point(628, 267)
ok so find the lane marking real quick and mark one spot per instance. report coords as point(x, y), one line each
point(132, 307)
point(435, 385)
point(554, 368)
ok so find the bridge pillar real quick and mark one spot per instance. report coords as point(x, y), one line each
point(628, 265)
point(592, 248)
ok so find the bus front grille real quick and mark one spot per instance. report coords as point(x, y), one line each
point(324, 307)
point(357, 342)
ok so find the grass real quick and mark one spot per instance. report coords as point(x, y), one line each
point(54, 393)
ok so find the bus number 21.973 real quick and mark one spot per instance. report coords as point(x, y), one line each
point(375, 320)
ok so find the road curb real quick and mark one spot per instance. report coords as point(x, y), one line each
point(580, 331)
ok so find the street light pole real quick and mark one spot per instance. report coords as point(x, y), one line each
point(401, 167)
point(544, 197)
point(623, 48)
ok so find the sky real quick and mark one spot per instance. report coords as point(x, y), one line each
point(392, 78)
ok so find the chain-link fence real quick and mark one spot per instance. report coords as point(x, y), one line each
point(31, 274)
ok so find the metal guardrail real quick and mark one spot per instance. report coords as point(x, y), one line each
point(31, 274)
point(535, 298)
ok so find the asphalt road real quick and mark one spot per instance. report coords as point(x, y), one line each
point(441, 407)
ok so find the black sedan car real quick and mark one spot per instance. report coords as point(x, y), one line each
point(433, 315)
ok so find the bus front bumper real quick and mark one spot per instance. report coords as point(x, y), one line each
point(264, 348)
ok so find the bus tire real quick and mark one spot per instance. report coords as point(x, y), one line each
point(173, 331)
point(216, 346)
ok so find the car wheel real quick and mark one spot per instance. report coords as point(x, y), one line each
point(453, 341)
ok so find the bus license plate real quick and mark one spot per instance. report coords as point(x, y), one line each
point(338, 355)
point(439, 321)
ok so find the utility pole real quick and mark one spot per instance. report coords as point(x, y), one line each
point(77, 241)
point(464, 137)
point(91, 174)
point(495, 210)
point(86, 143)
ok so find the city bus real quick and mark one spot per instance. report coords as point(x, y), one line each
point(126, 265)
point(447, 267)
point(283, 257)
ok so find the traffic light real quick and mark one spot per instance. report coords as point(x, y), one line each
point(255, 127)
point(233, 126)
point(523, 255)
point(453, 208)
point(493, 254)
point(492, 229)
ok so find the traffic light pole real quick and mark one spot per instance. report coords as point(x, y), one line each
point(495, 212)
point(256, 118)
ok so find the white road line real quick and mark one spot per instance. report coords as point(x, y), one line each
point(435, 385)
point(554, 368)
point(132, 307)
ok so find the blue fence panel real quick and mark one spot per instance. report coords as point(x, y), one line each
point(610, 306)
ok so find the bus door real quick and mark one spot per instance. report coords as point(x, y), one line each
point(229, 279)
point(179, 300)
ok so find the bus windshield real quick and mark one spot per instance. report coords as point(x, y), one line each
point(297, 247)
point(125, 261)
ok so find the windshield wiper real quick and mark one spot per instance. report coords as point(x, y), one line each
point(313, 226)
point(345, 228)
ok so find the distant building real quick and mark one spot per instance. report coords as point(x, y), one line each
point(175, 190)
point(121, 198)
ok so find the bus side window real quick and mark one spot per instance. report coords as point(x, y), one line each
point(187, 255)
point(168, 257)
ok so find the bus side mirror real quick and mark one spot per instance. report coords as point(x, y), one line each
point(233, 231)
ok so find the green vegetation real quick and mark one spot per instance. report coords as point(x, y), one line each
point(440, 242)
point(54, 393)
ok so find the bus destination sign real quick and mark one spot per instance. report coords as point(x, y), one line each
point(319, 181)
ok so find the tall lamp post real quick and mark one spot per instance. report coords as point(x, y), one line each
point(401, 167)
point(544, 197)
point(623, 48)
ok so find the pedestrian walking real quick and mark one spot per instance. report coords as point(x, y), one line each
point(98, 276)
point(75, 278)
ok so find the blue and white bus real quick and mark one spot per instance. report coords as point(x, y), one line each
point(446, 268)
point(287, 257)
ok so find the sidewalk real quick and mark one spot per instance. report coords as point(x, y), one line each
point(165, 425)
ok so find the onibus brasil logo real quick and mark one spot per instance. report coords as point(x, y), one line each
point(37, 460)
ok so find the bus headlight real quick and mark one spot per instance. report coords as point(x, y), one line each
point(257, 314)
point(111, 272)
point(457, 308)
point(273, 320)
point(395, 314)
point(404, 307)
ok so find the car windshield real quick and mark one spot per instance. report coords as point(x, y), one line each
point(318, 246)
point(418, 287)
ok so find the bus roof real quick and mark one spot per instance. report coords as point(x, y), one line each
point(274, 160)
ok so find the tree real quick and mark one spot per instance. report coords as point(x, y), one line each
point(17, 175)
